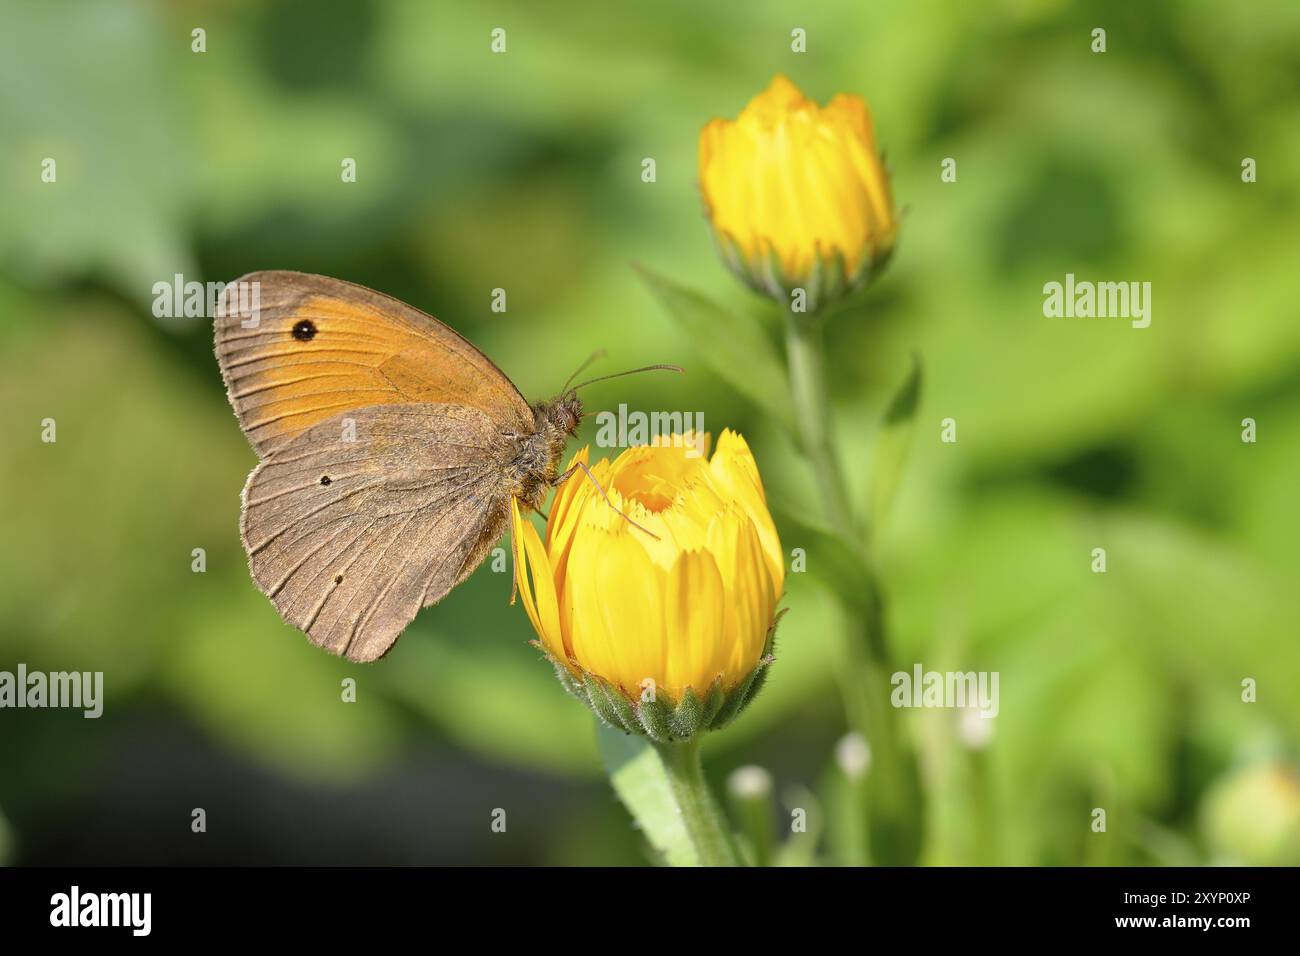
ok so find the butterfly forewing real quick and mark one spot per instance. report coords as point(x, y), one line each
point(366, 517)
point(296, 349)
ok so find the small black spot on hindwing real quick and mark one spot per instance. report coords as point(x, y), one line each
point(304, 330)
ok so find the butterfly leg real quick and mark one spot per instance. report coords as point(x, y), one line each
point(587, 471)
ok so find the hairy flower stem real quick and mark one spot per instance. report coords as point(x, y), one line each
point(891, 788)
point(803, 342)
point(705, 825)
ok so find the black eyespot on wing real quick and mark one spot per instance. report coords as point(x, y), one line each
point(325, 479)
point(338, 579)
point(304, 330)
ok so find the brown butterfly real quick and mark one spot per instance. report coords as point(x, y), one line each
point(390, 449)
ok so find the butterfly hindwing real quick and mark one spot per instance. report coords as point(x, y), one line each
point(297, 349)
point(362, 519)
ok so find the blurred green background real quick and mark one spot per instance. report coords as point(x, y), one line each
point(523, 171)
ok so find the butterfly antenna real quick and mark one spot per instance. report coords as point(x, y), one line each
point(631, 371)
point(598, 354)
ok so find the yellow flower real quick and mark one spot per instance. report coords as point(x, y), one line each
point(797, 194)
point(685, 614)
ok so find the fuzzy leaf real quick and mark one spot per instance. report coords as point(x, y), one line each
point(831, 559)
point(892, 445)
point(638, 778)
point(733, 346)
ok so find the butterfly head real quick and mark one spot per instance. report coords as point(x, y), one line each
point(565, 413)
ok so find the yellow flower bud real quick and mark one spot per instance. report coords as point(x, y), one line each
point(797, 194)
point(643, 627)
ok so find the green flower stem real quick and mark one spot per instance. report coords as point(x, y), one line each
point(803, 339)
point(892, 785)
point(986, 841)
point(706, 827)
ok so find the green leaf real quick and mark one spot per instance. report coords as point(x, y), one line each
point(893, 444)
point(832, 560)
point(733, 346)
point(638, 778)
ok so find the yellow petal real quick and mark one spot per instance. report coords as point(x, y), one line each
point(734, 470)
point(695, 619)
point(566, 504)
point(654, 474)
point(751, 600)
point(616, 594)
point(539, 598)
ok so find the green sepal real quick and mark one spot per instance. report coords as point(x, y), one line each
point(661, 718)
point(655, 717)
point(713, 701)
point(758, 676)
point(836, 283)
point(566, 678)
point(733, 258)
point(766, 274)
point(625, 708)
point(827, 282)
point(603, 699)
point(812, 285)
point(687, 718)
point(735, 700)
